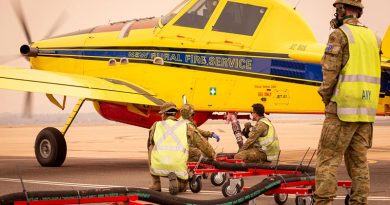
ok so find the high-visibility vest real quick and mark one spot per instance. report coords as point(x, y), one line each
point(170, 152)
point(357, 91)
point(185, 120)
point(270, 142)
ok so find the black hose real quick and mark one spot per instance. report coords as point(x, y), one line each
point(156, 197)
point(246, 166)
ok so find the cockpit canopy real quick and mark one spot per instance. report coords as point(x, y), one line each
point(235, 18)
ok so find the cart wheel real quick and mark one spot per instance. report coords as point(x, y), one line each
point(346, 201)
point(280, 199)
point(302, 200)
point(217, 179)
point(196, 183)
point(228, 190)
point(241, 184)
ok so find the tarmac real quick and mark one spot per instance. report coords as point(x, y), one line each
point(115, 155)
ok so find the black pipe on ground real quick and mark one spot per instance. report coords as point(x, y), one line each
point(246, 166)
point(156, 197)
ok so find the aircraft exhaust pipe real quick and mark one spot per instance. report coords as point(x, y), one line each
point(26, 50)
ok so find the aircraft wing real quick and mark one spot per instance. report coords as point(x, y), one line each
point(81, 86)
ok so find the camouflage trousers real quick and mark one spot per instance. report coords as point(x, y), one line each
point(252, 155)
point(351, 140)
point(194, 154)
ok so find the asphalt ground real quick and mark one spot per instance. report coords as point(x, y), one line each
point(87, 173)
point(115, 155)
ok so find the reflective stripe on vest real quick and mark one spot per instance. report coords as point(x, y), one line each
point(270, 142)
point(272, 157)
point(358, 87)
point(170, 131)
point(181, 175)
point(170, 153)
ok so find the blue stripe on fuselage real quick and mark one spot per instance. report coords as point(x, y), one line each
point(251, 64)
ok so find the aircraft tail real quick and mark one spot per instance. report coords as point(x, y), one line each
point(386, 44)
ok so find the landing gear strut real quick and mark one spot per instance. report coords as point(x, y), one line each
point(50, 145)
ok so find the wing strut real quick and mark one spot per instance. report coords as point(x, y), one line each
point(72, 115)
point(55, 101)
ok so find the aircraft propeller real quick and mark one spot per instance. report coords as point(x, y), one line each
point(27, 111)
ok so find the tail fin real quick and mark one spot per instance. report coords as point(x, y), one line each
point(386, 44)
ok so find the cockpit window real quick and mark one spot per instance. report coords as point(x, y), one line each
point(239, 18)
point(165, 19)
point(198, 15)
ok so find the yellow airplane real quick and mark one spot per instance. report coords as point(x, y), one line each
point(220, 55)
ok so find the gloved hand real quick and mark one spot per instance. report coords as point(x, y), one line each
point(247, 128)
point(215, 136)
point(248, 125)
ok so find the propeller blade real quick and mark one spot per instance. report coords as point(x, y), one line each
point(57, 24)
point(19, 13)
point(27, 112)
point(8, 58)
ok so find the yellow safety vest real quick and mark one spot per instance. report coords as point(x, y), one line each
point(357, 91)
point(270, 143)
point(170, 152)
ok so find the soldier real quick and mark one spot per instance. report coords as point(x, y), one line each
point(262, 144)
point(168, 146)
point(350, 92)
point(187, 112)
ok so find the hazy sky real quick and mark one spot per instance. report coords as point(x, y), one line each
point(41, 15)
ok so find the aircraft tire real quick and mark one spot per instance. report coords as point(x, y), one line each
point(50, 147)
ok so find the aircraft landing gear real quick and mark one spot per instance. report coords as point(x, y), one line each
point(50, 145)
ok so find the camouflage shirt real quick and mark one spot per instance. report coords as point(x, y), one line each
point(335, 57)
point(259, 130)
point(194, 139)
point(204, 133)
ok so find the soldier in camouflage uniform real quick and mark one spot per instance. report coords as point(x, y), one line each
point(168, 111)
point(252, 150)
point(341, 135)
point(186, 112)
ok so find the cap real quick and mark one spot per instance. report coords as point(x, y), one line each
point(187, 111)
point(357, 3)
point(167, 106)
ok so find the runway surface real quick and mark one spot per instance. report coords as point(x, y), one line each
point(82, 173)
point(113, 156)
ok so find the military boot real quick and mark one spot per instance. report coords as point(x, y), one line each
point(156, 186)
point(183, 185)
point(173, 185)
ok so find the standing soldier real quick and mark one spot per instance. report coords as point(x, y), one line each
point(187, 112)
point(262, 144)
point(350, 92)
point(168, 146)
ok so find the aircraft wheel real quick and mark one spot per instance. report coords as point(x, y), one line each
point(280, 199)
point(217, 179)
point(50, 147)
point(196, 183)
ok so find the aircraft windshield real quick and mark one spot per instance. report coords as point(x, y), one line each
point(198, 15)
point(165, 19)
